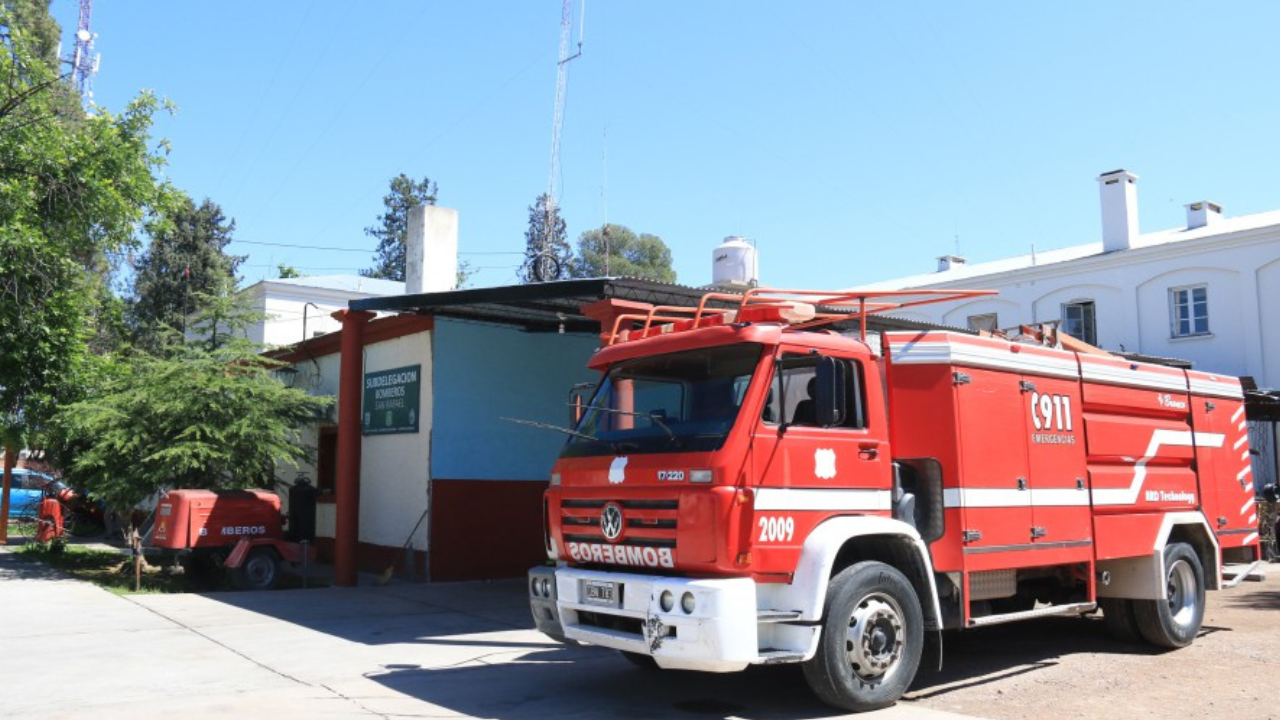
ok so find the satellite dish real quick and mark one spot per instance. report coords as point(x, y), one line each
point(82, 35)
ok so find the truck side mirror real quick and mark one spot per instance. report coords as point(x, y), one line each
point(830, 407)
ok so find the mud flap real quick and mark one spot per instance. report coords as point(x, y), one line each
point(931, 655)
point(238, 554)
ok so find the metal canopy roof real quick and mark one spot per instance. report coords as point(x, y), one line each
point(549, 306)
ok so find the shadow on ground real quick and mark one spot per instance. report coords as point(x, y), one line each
point(583, 681)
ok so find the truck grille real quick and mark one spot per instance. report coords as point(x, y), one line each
point(649, 523)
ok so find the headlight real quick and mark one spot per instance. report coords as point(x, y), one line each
point(687, 603)
point(535, 587)
point(546, 587)
point(667, 601)
point(555, 479)
point(700, 476)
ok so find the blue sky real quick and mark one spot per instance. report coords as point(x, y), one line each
point(854, 142)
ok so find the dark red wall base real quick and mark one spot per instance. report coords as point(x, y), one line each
point(485, 529)
point(480, 530)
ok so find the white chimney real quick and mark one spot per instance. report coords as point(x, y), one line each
point(947, 262)
point(1119, 192)
point(1200, 214)
point(431, 250)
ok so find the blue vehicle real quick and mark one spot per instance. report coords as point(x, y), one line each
point(26, 491)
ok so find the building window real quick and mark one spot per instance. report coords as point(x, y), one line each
point(1189, 311)
point(1079, 321)
point(988, 322)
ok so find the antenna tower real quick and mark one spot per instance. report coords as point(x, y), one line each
point(544, 269)
point(84, 64)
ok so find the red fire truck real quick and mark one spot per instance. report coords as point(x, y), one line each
point(746, 487)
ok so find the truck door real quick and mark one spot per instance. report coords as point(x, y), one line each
point(1061, 519)
point(805, 473)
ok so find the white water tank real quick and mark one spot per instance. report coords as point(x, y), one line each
point(734, 264)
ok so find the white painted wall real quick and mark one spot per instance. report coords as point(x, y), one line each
point(1238, 259)
point(395, 469)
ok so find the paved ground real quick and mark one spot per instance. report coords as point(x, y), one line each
point(450, 650)
point(466, 650)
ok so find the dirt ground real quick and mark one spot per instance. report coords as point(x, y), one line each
point(1071, 668)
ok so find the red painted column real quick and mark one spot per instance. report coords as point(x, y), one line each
point(347, 502)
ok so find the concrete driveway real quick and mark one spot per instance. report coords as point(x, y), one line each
point(450, 650)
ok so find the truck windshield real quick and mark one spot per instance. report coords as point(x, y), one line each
point(679, 402)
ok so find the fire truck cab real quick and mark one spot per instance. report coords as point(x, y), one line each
point(745, 487)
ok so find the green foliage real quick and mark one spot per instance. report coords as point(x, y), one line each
point(185, 261)
point(287, 272)
point(546, 236)
point(208, 415)
point(72, 190)
point(393, 228)
point(616, 251)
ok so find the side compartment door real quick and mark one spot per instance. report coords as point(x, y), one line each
point(1061, 516)
point(1223, 468)
point(994, 490)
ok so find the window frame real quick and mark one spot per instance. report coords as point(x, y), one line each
point(1089, 324)
point(1176, 308)
point(995, 321)
point(793, 360)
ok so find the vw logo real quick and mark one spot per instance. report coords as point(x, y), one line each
point(611, 522)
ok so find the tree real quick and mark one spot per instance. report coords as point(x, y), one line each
point(71, 192)
point(287, 272)
point(393, 229)
point(185, 261)
point(547, 255)
point(207, 415)
point(616, 251)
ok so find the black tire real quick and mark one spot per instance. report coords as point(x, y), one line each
point(259, 571)
point(644, 662)
point(1174, 621)
point(876, 604)
point(1117, 615)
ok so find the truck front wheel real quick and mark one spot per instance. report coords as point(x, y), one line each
point(872, 637)
point(1174, 621)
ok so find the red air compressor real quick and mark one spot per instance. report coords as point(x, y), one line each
point(244, 529)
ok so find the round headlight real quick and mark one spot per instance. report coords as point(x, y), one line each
point(687, 603)
point(546, 587)
point(534, 587)
point(667, 601)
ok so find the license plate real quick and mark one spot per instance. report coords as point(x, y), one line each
point(599, 592)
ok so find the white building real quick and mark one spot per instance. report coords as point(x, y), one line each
point(1208, 292)
point(299, 309)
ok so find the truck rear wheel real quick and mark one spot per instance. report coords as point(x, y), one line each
point(1174, 621)
point(872, 637)
point(259, 571)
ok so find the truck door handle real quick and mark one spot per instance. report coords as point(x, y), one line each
point(869, 450)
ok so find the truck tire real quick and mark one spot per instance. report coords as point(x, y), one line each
point(1117, 615)
point(259, 571)
point(644, 662)
point(1174, 621)
point(872, 638)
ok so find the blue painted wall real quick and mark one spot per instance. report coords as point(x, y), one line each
point(485, 372)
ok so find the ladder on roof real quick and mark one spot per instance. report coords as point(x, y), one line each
point(799, 309)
